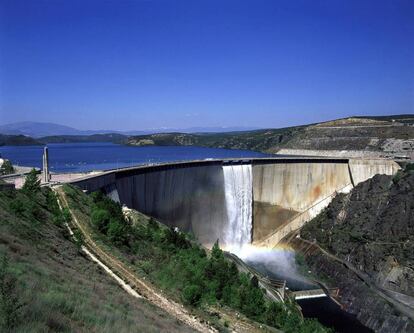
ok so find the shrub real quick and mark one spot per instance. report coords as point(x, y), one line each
point(116, 232)
point(100, 219)
point(78, 239)
point(175, 238)
point(191, 294)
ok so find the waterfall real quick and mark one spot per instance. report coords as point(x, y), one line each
point(238, 195)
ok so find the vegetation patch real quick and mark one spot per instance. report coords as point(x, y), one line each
point(6, 168)
point(47, 285)
point(175, 263)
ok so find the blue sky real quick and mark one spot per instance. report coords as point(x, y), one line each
point(147, 64)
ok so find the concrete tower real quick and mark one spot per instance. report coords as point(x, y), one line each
point(46, 175)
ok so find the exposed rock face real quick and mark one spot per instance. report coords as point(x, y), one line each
point(373, 137)
point(372, 229)
point(356, 297)
point(385, 137)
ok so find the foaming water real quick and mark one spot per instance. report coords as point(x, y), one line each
point(277, 263)
point(238, 194)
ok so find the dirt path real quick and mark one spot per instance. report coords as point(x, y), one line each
point(123, 272)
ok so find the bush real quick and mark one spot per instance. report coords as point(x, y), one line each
point(100, 219)
point(117, 232)
point(78, 239)
point(175, 239)
point(107, 218)
point(191, 295)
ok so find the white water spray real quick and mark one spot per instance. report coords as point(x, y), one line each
point(237, 234)
point(238, 194)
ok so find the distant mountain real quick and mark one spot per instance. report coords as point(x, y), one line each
point(38, 129)
point(35, 129)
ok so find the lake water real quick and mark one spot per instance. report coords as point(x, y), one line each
point(81, 157)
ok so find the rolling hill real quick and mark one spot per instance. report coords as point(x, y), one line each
point(389, 137)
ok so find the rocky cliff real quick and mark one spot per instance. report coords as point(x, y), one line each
point(363, 243)
point(380, 138)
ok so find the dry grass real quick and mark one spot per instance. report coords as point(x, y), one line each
point(62, 290)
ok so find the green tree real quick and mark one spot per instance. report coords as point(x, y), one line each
point(117, 232)
point(32, 184)
point(100, 219)
point(192, 294)
point(7, 168)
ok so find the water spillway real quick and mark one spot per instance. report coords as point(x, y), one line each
point(257, 201)
point(238, 190)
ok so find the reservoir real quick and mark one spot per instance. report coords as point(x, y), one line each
point(82, 157)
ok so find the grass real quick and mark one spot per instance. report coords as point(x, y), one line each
point(60, 289)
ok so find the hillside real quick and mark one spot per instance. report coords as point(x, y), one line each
point(369, 236)
point(373, 136)
point(110, 137)
point(373, 228)
point(382, 136)
point(259, 140)
point(49, 283)
point(57, 288)
point(389, 137)
point(17, 140)
point(167, 260)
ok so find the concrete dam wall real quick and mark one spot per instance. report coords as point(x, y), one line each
point(266, 198)
point(191, 198)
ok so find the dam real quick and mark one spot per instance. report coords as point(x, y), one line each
point(254, 201)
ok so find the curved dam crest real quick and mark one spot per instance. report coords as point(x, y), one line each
point(236, 201)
